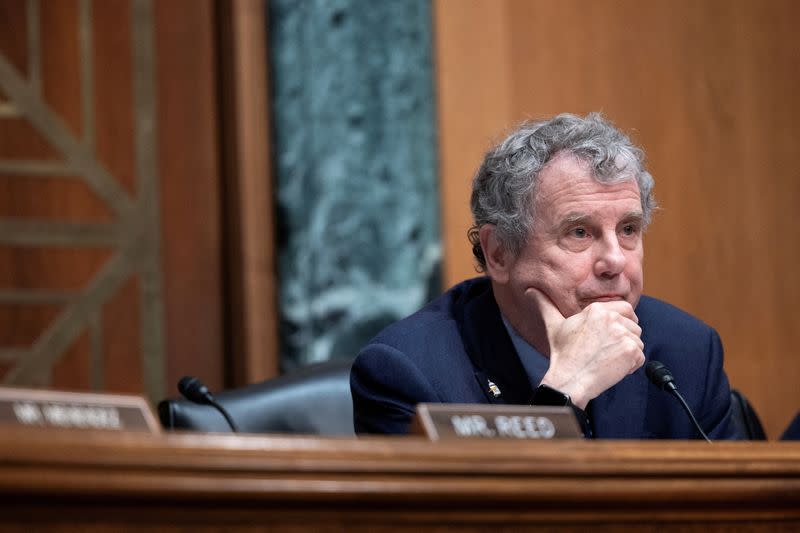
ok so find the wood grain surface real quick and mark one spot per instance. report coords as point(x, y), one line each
point(69, 480)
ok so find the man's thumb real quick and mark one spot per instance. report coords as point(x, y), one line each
point(551, 316)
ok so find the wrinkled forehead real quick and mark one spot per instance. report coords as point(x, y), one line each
point(569, 183)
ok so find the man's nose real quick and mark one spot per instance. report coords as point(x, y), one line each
point(610, 259)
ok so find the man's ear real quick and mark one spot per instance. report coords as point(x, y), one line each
point(498, 261)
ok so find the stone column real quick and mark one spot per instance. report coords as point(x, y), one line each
point(355, 164)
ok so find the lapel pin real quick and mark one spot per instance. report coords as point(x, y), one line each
point(494, 389)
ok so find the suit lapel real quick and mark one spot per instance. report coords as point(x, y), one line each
point(497, 365)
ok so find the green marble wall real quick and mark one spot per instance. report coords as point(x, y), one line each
point(355, 164)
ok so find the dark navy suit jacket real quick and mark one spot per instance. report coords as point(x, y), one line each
point(449, 351)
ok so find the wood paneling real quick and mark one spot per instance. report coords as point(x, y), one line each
point(78, 481)
point(109, 170)
point(112, 58)
point(251, 276)
point(475, 88)
point(47, 56)
point(59, 31)
point(709, 90)
point(14, 38)
point(185, 36)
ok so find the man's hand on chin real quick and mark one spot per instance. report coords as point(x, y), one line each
point(592, 350)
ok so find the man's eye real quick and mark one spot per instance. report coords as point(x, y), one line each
point(630, 229)
point(579, 233)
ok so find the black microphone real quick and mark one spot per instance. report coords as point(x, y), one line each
point(662, 378)
point(195, 391)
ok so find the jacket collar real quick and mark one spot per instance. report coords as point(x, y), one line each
point(489, 346)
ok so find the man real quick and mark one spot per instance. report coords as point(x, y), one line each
point(560, 208)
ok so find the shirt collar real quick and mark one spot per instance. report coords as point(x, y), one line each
point(535, 363)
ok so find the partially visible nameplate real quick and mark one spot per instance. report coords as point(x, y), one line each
point(445, 421)
point(75, 410)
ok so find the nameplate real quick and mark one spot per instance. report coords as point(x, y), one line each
point(35, 408)
point(448, 421)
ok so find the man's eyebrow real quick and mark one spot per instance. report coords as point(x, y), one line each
point(633, 216)
point(583, 219)
point(573, 219)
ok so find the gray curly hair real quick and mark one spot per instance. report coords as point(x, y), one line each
point(503, 189)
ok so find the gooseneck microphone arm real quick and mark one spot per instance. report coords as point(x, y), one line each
point(662, 378)
point(195, 391)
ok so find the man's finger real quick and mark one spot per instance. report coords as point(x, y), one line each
point(620, 306)
point(632, 326)
point(551, 316)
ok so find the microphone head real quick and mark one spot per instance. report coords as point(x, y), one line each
point(659, 375)
point(194, 390)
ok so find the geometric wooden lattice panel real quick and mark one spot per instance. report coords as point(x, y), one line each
point(81, 301)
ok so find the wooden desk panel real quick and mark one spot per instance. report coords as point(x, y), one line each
point(99, 481)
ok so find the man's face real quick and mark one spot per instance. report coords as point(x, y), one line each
point(586, 243)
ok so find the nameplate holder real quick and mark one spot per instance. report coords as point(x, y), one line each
point(34, 408)
point(450, 421)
